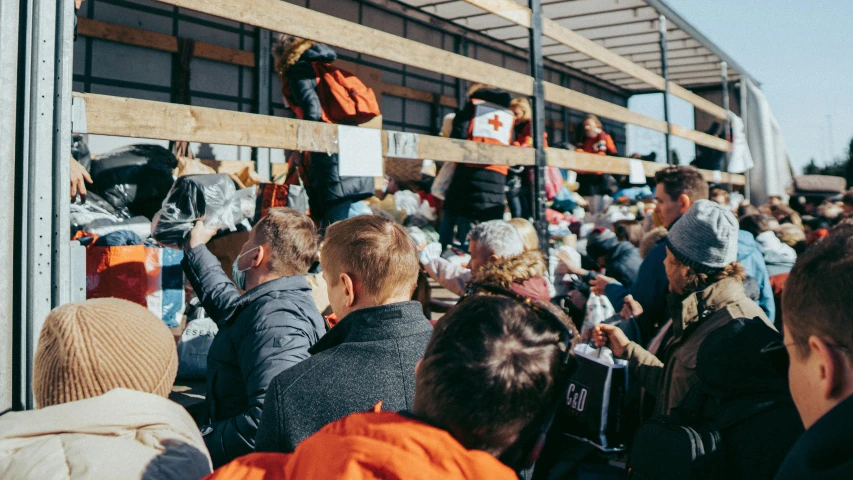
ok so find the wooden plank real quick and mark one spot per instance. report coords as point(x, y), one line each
point(87, 27)
point(579, 101)
point(520, 15)
point(585, 103)
point(700, 138)
point(371, 76)
point(284, 17)
point(419, 95)
point(589, 162)
point(125, 117)
point(157, 41)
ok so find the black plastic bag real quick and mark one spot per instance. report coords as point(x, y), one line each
point(136, 177)
point(213, 198)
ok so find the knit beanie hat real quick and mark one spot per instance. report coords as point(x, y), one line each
point(600, 242)
point(705, 238)
point(87, 349)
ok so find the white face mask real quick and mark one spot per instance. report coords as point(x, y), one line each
point(238, 275)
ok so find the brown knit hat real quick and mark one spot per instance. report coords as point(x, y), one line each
point(87, 349)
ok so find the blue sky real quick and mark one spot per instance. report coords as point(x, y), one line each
point(802, 53)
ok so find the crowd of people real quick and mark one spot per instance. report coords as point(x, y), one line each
point(732, 319)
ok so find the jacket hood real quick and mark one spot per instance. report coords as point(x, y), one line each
point(365, 446)
point(824, 451)
point(493, 95)
point(304, 50)
point(746, 244)
point(517, 268)
point(120, 434)
point(780, 258)
point(535, 288)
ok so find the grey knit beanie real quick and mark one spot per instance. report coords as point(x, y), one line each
point(705, 238)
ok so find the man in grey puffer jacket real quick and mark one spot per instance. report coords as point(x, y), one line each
point(262, 332)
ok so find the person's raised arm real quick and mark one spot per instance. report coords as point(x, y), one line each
point(215, 290)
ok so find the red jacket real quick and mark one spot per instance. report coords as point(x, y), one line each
point(365, 446)
point(592, 145)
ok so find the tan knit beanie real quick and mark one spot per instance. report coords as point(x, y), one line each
point(87, 349)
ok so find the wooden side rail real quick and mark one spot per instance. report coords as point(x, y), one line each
point(285, 17)
point(126, 117)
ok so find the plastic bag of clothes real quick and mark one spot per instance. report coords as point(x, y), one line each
point(95, 208)
point(136, 177)
point(213, 198)
point(194, 344)
point(151, 277)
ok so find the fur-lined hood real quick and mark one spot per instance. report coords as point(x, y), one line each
point(515, 269)
point(289, 50)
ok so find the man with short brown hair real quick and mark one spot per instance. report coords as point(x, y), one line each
point(370, 265)
point(818, 332)
point(263, 331)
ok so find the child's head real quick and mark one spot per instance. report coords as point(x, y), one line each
point(521, 109)
point(592, 126)
point(494, 372)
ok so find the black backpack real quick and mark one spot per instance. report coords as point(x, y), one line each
point(738, 422)
point(690, 446)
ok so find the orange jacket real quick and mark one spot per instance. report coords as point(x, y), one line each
point(371, 446)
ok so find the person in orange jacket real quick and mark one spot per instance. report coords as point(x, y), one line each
point(477, 412)
point(595, 140)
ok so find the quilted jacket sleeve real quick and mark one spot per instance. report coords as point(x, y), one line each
point(303, 86)
point(215, 290)
point(277, 340)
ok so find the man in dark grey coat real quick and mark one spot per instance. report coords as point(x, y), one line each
point(262, 332)
point(371, 267)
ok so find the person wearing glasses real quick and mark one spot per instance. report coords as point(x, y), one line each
point(494, 372)
point(818, 335)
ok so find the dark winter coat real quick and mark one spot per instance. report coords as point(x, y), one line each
point(694, 317)
point(326, 186)
point(650, 291)
point(622, 263)
point(367, 357)
point(261, 333)
point(824, 451)
point(477, 192)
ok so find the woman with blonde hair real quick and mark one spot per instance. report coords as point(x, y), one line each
point(527, 232)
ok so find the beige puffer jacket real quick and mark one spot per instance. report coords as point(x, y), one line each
point(123, 434)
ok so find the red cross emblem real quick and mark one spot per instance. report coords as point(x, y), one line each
point(496, 122)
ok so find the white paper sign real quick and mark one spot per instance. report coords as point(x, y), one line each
point(638, 172)
point(717, 176)
point(402, 145)
point(492, 122)
point(359, 152)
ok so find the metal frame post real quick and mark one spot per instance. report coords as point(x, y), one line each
point(665, 75)
point(538, 73)
point(43, 158)
point(62, 153)
point(263, 73)
point(9, 22)
point(724, 71)
point(747, 191)
point(460, 47)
